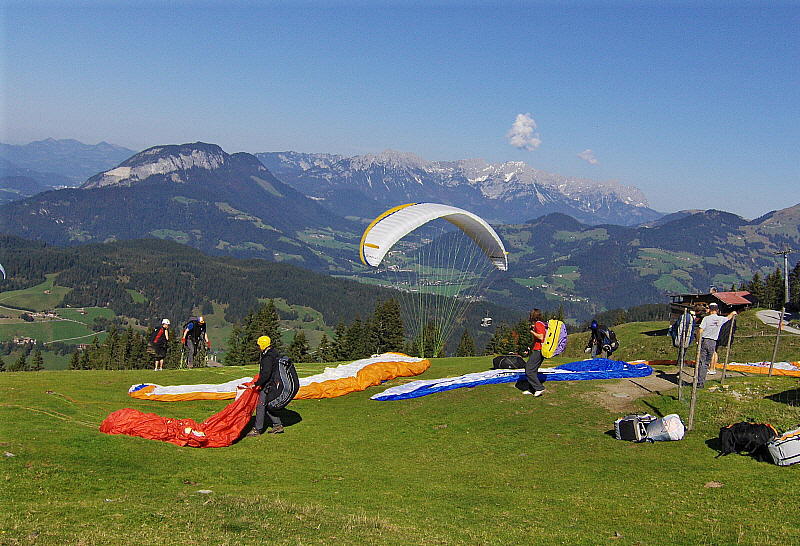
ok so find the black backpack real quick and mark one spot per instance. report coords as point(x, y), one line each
point(745, 437)
point(508, 362)
point(157, 337)
point(282, 385)
point(610, 342)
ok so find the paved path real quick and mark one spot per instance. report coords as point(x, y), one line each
point(772, 318)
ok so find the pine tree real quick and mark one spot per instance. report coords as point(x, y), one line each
point(758, 290)
point(430, 343)
point(387, 327)
point(86, 361)
point(794, 287)
point(298, 349)
point(235, 354)
point(37, 363)
point(324, 352)
point(75, 361)
point(774, 289)
point(355, 343)
point(21, 365)
point(466, 347)
point(339, 349)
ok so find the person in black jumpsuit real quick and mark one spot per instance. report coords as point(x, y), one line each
point(269, 359)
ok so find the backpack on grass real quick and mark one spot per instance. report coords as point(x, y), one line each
point(633, 428)
point(508, 362)
point(785, 450)
point(665, 429)
point(745, 437)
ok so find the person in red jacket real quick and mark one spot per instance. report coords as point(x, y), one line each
point(538, 330)
point(158, 342)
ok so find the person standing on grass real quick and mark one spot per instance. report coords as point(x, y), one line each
point(267, 365)
point(538, 330)
point(708, 334)
point(158, 341)
point(194, 334)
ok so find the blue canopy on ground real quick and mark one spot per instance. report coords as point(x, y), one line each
point(595, 368)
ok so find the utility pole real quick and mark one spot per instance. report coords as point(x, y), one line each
point(785, 253)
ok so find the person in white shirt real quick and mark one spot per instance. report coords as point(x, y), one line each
point(708, 334)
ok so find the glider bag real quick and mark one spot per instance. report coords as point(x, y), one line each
point(555, 340)
point(786, 449)
point(508, 362)
point(665, 429)
point(219, 430)
point(283, 385)
point(745, 437)
point(633, 428)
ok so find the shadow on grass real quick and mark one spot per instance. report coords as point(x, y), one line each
point(790, 397)
point(661, 332)
point(288, 418)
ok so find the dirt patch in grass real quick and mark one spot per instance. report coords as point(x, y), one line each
point(621, 395)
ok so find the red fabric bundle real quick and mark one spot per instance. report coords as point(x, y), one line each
point(219, 430)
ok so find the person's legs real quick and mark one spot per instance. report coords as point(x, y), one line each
point(190, 350)
point(261, 411)
point(532, 369)
point(707, 347)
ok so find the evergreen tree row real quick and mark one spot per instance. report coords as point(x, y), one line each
point(770, 291)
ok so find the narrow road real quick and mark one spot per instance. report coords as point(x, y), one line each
point(772, 318)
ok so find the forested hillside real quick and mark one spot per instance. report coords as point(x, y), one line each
point(150, 278)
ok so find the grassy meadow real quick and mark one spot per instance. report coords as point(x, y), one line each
point(471, 466)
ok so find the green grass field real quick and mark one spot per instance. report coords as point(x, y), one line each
point(38, 298)
point(470, 466)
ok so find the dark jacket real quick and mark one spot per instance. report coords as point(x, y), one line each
point(269, 359)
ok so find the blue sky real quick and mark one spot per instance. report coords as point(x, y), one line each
point(696, 103)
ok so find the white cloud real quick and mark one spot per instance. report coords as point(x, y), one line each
point(523, 133)
point(588, 156)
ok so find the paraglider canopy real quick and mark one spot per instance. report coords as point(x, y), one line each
point(395, 223)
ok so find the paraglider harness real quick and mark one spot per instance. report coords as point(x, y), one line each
point(606, 337)
point(157, 341)
point(744, 437)
point(610, 343)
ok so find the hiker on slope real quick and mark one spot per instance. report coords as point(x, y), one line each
point(601, 340)
point(194, 333)
point(158, 342)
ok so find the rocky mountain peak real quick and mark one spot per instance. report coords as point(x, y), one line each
point(171, 161)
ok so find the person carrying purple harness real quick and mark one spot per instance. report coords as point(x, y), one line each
point(538, 330)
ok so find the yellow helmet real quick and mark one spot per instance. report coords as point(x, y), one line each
point(264, 342)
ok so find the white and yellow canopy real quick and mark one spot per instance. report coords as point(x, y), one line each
point(397, 222)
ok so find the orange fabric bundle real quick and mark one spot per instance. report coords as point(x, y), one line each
point(219, 430)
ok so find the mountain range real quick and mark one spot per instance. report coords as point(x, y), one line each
point(195, 194)
point(510, 192)
point(231, 204)
point(26, 170)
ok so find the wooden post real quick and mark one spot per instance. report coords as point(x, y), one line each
point(682, 350)
point(728, 350)
point(693, 401)
point(777, 338)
